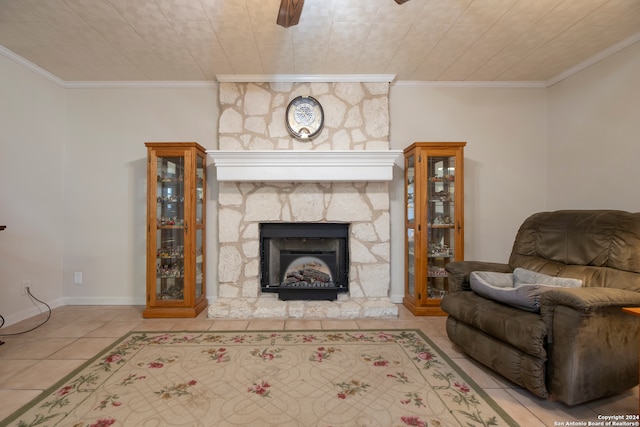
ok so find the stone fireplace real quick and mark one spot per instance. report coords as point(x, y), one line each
point(339, 177)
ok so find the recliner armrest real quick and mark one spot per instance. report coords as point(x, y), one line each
point(583, 300)
point(459, 272)
point(587, 298)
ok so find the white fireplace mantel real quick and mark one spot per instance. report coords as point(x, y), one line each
point(304, 165)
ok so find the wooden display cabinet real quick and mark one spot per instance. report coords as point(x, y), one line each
point(176, 180)
point(434, 221)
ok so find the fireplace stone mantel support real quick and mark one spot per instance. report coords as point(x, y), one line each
point(304, 165)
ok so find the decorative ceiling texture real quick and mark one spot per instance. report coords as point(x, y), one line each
point(420, 40)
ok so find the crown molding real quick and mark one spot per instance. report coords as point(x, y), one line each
point(320, 78)
point(480, 84)
point(309, 78)
point(137, 84)
point(622, 44)
point(99, 84)
point(31, 66)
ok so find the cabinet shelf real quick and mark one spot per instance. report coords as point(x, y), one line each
point(433, 191)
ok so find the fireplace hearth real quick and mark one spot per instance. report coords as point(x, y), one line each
point(304, 261)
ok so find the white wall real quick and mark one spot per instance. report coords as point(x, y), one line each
point(594, 136)
point(106, 167)
point(32, 135)
point(505, 170)
point(73, 169)
point(105, 182)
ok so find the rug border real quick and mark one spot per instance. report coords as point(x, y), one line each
point(479, 390)
point(45, 393)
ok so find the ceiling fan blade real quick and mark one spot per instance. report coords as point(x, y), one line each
point(289, 13)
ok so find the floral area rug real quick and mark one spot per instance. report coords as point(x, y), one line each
point(248, 378)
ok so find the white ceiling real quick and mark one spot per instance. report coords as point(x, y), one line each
point(421, 40)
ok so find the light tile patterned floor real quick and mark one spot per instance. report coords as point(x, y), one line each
point(31, 362)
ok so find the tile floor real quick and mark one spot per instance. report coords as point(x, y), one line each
point(32, 362)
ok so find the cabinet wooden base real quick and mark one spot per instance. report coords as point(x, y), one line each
point(174, 312)
point(428, 310)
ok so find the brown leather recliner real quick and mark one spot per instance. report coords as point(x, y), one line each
point(580, 346)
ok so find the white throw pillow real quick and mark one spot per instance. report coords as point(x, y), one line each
point(520, 289)
point(522, 276)
point(499, 287)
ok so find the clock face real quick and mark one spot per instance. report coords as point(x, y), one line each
point(304, 117)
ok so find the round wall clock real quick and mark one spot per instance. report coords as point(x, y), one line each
point(304, 117)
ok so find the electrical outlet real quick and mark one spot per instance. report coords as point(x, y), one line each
point(25, 285)
point(77, 278)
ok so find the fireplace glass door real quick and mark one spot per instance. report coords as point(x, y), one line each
point(305, 261)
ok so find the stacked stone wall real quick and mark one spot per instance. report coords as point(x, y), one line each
point(252, 118)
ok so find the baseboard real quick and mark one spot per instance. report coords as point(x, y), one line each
point(30, 312)
point(396, 299)
point(111, 300)
point(34, 311)
point(103, 301)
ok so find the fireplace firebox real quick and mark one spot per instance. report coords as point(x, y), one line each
point(304, 261)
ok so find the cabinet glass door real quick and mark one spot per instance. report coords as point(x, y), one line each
point(170, 192)
point(441, 215)
point(200, 162)
point(410, 226)
point(200, 212)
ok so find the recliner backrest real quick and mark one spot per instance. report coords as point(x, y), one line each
point(601, 247)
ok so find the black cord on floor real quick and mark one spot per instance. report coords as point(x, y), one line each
point(35, 327)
